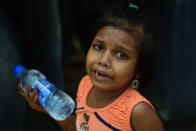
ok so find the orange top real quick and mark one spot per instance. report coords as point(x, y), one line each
point(115, 116)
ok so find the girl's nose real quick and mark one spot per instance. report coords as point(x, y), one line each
point(104, 60)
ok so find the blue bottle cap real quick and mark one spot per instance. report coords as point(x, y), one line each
point(19, 69)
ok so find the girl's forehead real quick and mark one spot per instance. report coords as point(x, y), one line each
point(134, 31)
point(115, 37)
point(121, 34)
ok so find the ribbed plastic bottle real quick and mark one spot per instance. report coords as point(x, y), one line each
point(56, 102)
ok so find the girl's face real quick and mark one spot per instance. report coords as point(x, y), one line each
point(112, 58)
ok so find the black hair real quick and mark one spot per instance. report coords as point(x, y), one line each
point(130, 20)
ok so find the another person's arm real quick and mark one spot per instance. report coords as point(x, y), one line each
point(32, 99)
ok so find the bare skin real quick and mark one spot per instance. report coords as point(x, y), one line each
point(32, 99)
point(145, 119)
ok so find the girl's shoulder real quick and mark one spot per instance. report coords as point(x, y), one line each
point(133, 97)
point(143, 114)
point(85, 82)
point(84, 86)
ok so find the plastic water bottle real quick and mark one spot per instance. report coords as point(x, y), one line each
point(56, 102)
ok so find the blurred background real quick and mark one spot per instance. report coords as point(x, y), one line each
point(53, 37)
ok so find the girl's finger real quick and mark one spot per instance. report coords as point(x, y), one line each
point(35, 99)
point(33, 94)
point(20, 90)
point(27, 92)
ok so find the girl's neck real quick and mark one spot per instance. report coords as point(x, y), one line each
point(102, 95)
point(99, 99)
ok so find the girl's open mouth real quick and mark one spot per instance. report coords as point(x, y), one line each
point(101, 76)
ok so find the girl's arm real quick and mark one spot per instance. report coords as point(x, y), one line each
point(68, 124)
point(144, 118)
point(32, 99)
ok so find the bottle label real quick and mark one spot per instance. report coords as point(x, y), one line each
point(44, 88)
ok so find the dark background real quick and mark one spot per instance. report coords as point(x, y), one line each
point(53, 37)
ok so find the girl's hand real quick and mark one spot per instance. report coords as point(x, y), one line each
point(32, 98)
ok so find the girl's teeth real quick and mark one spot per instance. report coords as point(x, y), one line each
point(98, 74)
point(101, 75)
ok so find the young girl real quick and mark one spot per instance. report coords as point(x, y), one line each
point(119, 61)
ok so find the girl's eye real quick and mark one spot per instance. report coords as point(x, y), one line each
point(98, 47)
point(121, 55)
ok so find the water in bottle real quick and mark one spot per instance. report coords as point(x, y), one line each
point(56, 102)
